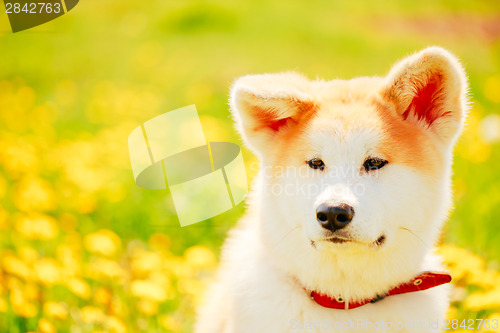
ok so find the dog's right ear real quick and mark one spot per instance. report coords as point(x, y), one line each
point(429, 89)
point(264, 106)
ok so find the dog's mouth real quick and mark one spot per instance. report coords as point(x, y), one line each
point(341, 240)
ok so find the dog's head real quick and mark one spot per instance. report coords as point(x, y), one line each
point(355, 165)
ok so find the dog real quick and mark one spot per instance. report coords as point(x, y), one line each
point(352, 191)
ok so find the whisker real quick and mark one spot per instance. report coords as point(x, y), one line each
point(414, 234)
point(287, 234)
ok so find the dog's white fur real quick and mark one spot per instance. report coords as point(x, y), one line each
point(278, 253)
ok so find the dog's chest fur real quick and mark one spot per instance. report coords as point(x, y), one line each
point(253, 295)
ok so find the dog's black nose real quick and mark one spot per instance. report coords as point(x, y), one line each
point(334, 217)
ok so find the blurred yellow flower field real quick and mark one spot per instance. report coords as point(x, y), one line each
point(136, 289)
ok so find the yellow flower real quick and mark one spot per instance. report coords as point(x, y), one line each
point(102, 296)
point(55, 310)
point(115, 325)
point(3, 305)
point(103, 242)
point(117, 307)
point(28, 254)
point(85, 204)
point(47, 271)
point(161, 279)
point(170, 323)
point(80, 162)
point(451, 313)
point(26, 310)
point(481, 301)
point(3, 188)
point(486, 279)
point(18, 156)
point(146, 262)
point(68, 222)
point(79, 287)
point(37, 227)
point(91, 314)
point(492, 88)
point(69, 259)
point(45, 326)
point(13, 283)
point(179, 267)
point(21, 306)
point(149, 290)
point(31, 291)
point(4, 217)
point(200, 256)
point(148, 307)
point(105, 268)
point(460, 262)
point(16, 267)
point(34, 194)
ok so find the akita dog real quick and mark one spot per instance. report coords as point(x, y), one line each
point(353, 187)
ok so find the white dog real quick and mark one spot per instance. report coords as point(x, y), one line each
point(353, 189)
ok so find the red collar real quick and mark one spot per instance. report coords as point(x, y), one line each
point(424, 281)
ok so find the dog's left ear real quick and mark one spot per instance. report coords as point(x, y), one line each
point(266, 105)
point(429, 89)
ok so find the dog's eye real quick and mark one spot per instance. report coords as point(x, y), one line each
point(316, 163)
point(374, 163)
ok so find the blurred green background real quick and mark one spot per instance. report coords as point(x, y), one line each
point(73, 89)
